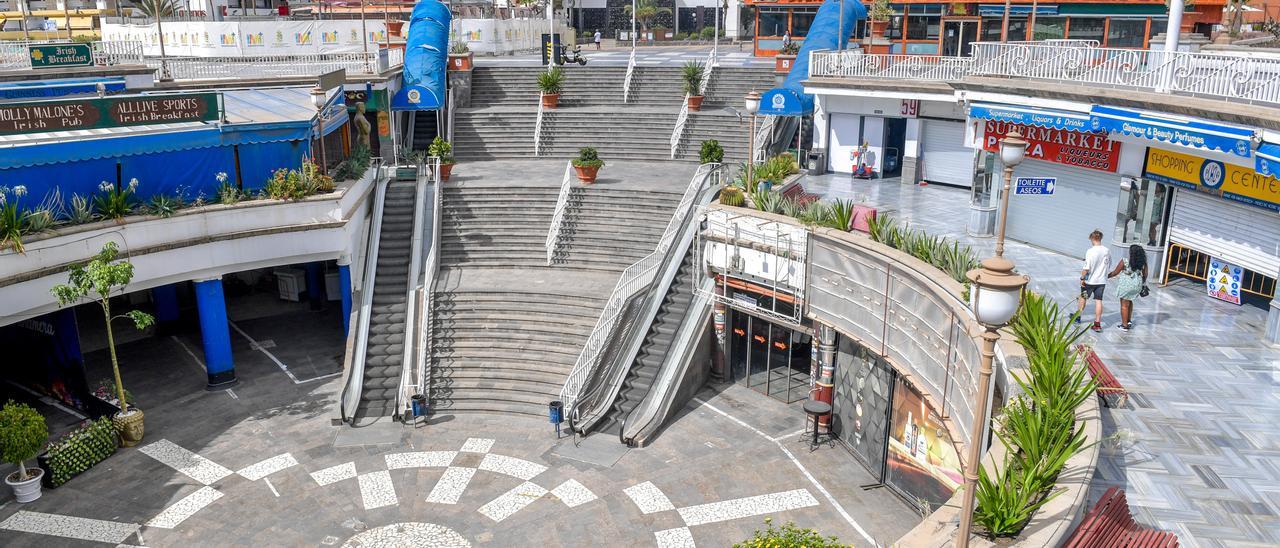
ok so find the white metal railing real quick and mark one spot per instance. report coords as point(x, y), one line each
point(855, 64)
point(14, 54)
point(677, 132)
point(265, 66)
point(635, 278)
point(707, 67)
point(422, 375)
point(537, 128)
point(557, 218)
point(412, 294)
point(763, 133)
point(626, 82)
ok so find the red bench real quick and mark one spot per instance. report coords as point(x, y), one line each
point(1110, 524)
point(796, 193)
point(1109, 388)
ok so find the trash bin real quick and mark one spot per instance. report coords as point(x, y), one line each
point(817, 163)
point(419, 405)
point(555, 411)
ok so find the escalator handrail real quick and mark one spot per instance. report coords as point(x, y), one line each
point(354, 375)
point(411, 326)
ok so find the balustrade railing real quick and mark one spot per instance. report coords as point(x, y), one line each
point(626, 82)
point(267, 66)
point(855, 64)
point(425, 297)
point(677, 133)
point(557, 217)
point(537, 128)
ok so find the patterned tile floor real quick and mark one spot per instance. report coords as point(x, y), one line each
point(1195, 448)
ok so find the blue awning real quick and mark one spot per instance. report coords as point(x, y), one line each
point(1178, 130)
point(44, 89)
point(1015, 11)
point(1267, 159)
point(1031, 116)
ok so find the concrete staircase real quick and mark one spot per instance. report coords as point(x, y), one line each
point(611, 229)
point(616, 133)
point(732, 133)
point(729, 85)
point(493, 133)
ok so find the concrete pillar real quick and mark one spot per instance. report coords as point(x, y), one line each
point(214, 333)
point(732, 18)
point(344, 285)
point(165, 299)
point(825, 342)
point(911, 152)
point(315, 285)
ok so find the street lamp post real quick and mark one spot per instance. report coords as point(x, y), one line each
point(994, 298)
point(752, 103)
point(318, 97)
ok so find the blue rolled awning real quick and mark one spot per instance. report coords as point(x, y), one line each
point(1178, 130)
point(1267, 159)
point(44, 89)
point(1031, 116)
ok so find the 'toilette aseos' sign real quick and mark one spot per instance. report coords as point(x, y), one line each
point(1073, 148)
point(47, 116)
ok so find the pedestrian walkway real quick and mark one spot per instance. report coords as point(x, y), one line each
point(646, 56)
point(1195, 448)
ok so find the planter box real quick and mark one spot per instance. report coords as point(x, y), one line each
point(94, 454)
point(782, 63)
point(461, 61)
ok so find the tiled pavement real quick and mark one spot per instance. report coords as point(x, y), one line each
point(1195, 449)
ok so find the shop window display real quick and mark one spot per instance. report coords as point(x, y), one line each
point(863, 385)
point(1127, 33)
point(1087, 28)
point(1050, 28)
point(773, 22)
point(801, 20)
point(922, 464)
point(1141, 213)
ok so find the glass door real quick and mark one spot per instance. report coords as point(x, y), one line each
point(738, 337)
point(957, 34)
point(758, 354)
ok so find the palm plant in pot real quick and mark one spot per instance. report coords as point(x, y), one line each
point(97, 280)
point(691, 75)
point(441, 149)
point(550, 83)
point(22, 435)
point(587, 164)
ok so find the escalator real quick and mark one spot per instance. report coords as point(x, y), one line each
point(656, 347)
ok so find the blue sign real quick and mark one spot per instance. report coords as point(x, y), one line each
point(58, 88)
point(1035, 185)
point(1178, 130)
point(1031, 116)
point(785, 102)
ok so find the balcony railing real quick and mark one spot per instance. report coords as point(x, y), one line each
point(275, 66)
point(15, 56)
point(1252, 78)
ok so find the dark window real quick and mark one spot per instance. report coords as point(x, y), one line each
point(1126, 33)
point(923, 27)
point(1050, 28)
point(1087, 28)
point(1017, 29)
point(894, 30)
point(990, 29)
point(772, 22)
point(801, 19)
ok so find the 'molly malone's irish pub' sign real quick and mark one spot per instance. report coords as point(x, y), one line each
point(46, 116)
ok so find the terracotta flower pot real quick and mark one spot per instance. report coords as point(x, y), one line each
point(460, 61)
point(878, 28)
point(587, 174)
point(783, 62)
point(550, 100)
point(445, 170)
point(28, 490)
point(695, 103)
point(130, 426)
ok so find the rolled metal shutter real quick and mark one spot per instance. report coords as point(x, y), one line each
point(1083, 200)
point(1239, 234)
point(944, 158)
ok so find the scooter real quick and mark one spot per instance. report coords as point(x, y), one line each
point(575, 58)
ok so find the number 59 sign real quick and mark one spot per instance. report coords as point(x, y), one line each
point(910, 108)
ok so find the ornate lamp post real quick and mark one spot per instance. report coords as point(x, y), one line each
point(994, 298)
point(318, 99)
point(752, 104)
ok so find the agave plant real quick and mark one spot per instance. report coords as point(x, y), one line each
point(840, 215)
point(815, 213)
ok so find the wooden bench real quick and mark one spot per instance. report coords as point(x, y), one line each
point(1110, 524)
point(1109, 388)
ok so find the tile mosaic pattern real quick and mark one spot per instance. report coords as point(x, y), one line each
point(572, 493)
point(511, 466)
point(680, 537)
point(404, 535)
point(69, 527)
point(420, 459)
point(512, 501)
point(333, 474)
point(452, 484)
point(267, 467)
point(376, 490)
point(477, 445)
point(194, 466)
point(179, 511)
point(746, 507)
point(649, 498)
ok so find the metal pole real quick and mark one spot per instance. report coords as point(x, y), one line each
point(386, 26)
point(715, 40)
point(751, 154)
point(551, 34)
point(989, 338)
point(66, 17)
point(1004, 24)
point(840, 39)
point(25, 9)
point(1174, 27)
point(320, 138)
point(164, 65)
point(1031, 21)
point(364, 36)
point(633, 27)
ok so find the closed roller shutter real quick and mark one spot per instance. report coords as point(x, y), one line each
point(1082, 200)
point(1239, 234)
point(944, 158)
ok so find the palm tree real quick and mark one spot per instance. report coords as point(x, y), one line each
point(158, 10)
point(645, 11)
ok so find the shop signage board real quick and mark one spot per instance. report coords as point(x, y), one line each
point(1072, 148)
point(45, 56)
point(1035, 186)
point(910, 108)
point(1223, 281)
point(46, 116)
point(1233, 182)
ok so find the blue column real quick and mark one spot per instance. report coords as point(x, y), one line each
point(215, 334)
point(344, 285)
point(315, 285)
point(165, 298)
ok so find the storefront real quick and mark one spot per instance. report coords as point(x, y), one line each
point(912, 138)
point(765, 354)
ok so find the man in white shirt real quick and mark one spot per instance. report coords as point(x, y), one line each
point(1093, 278)
point(596, 38)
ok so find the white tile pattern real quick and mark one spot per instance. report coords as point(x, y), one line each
point(477, 445)
point(255, 472)
point(179, 511)
point(680, 537)
point(420, 459)
point(746, 507)
point(195, 466)
point(334, 473)
point(649, 498)
point(511, 466)
point(512, 501)
point(96, 530)
point(451, 485)
point(376, 490)
point(572, 493)
point(405, 535)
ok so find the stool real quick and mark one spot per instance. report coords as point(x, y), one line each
point(815, 409)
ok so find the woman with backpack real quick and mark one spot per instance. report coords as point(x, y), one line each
point(1132, 283)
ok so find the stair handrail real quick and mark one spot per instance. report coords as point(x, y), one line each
point(411, 293)
point(707, 67)
point(677, 133)
point(637, 277)
point(430, 270)
point(610, 376)
point(557, 217)
point(537, 128)
point(353, 379)
point(763, 134)
point(626, 82)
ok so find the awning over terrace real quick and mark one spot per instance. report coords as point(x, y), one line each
point(1267, 159)
point(1031, 116)
point(1177, 130)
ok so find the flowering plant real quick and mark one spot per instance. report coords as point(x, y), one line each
point(113, 202)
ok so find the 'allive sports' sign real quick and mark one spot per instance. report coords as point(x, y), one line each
point(47, 116)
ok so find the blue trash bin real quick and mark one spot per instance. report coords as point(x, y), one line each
point(419, 405)
point(555, 411)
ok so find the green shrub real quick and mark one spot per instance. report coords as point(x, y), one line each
point(952, 258)
point(441, 149)
point(708, 33)
point(815, 213)
point(459, 47)
point(22, 434)
point(788, 536)
point(115, 203)
point(551, 81)
point(285, 184)
point(588, 157)
point(732, 196)
point(839, 215)
point(711, 152)
point(81, 449)
point(81, 210)
point(790, 49)
point(164, 205)
point(314, 180)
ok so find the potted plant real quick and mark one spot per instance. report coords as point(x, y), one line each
point(22, 435)
point(786, 58)
point(587, 164)
point(460, 56)
point(711, 152)
point(550, 83)
point(441, 149)
point(879, 15)
point(692, 75)
point(97, 280)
